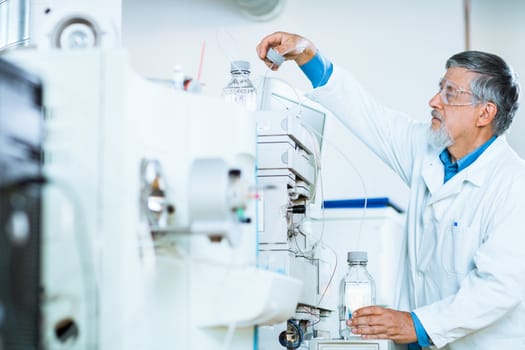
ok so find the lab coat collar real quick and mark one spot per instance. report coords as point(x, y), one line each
point(476, 173)
point(433, 172)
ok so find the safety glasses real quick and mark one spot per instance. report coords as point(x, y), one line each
point(453, 95)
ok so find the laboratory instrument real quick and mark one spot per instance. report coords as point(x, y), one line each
point(289, 141)
point(151, 201)
point(354, 344)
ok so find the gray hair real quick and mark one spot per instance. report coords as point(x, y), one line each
point(496, 82)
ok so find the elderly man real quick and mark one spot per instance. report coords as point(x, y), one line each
point(467, 198)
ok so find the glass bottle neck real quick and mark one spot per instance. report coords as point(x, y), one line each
point(240, 73)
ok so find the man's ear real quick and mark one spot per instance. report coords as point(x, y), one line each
point(487, 114)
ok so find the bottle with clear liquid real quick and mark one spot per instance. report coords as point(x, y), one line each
point(178, 77)
point(357, 289)
point(240, 89)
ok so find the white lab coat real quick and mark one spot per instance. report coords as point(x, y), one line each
point(466, 238)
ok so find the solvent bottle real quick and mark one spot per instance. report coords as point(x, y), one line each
point(357, 289)
point(240, 89)
point(178, 77)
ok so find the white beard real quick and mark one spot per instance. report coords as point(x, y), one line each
point(439, 138)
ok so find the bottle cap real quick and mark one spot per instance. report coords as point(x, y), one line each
point(357, 256)
point(275, 57)
point(240, 66)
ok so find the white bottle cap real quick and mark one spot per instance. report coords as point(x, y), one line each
point(274, 57)
point(240, 66)
point(357, 256)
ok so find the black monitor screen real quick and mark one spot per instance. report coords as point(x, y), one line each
point(21, 124)
point(21, 134)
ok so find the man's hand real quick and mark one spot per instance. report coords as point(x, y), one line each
point(291, 46)
point(375, 322)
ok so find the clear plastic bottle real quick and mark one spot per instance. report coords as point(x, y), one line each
point(357, 289)
point(178, 77)
point(240, 89)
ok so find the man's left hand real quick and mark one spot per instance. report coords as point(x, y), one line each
point(375, 322)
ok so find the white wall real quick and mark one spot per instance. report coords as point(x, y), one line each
point(499, 27)
point(396, 48)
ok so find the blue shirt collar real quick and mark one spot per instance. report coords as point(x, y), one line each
point(452, 169)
